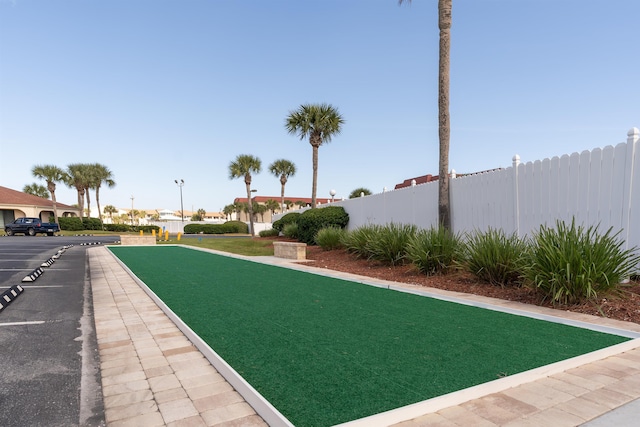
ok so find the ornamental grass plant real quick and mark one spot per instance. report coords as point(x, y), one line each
point(435, 250)
point(330, 238)
point(495, 257)
point(570, 264)
point(389, 244)
point(355, 241)
point(290, 230)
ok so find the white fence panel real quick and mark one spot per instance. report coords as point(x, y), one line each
point(564, 193)
point(601, 186)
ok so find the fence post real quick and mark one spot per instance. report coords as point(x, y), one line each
point(516, 195)
point(633, 136)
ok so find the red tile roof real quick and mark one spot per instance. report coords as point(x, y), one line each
point(13, 197)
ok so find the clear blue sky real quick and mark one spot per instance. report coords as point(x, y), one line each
point(159, 90)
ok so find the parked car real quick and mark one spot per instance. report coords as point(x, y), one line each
point(31, 227)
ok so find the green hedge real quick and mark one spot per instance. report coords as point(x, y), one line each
point(289, 218)
point(70, 223)
point(313, 220)
point(228, 227)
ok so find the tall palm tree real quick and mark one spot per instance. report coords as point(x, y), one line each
point(444, 129)
point(77, 177)
point(51, 174)
point(242, 167)
point(37, 190)
point(283, 169)
point(319, 122)
point(101, 174)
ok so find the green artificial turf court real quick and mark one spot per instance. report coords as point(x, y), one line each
point(325, 351)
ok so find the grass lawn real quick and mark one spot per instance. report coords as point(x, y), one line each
point(325, 351)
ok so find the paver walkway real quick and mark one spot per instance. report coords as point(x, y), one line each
point(153, 376)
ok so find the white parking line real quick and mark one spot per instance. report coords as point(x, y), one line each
point(34, 322)
point(35, 286)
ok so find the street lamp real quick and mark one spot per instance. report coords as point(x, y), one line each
point(181, 184)
point(332, 193)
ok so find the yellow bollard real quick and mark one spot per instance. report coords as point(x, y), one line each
point(141, 232)
point(153, 232)
point(179, 235)
point(166, 235)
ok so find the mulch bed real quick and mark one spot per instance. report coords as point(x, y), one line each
point(626, 308)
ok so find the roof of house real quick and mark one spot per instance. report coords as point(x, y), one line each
point(13, 197)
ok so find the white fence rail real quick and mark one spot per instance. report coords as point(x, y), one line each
point(598, 187)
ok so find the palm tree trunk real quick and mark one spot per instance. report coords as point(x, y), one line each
point(52, 189)
point(250, 207)
point(88, 203)
point(314, 187)
point(81, 202)
point(98, 203)
point(444, 130)
point(283, 181)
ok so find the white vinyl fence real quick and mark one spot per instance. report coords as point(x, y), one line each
point(598, 187)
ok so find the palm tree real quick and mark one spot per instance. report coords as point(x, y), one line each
point(288, 204)
point(272, 205)
point(319, 122)
point(237, 208)
point(242, 167)
point(260, 209)
point(444, 129)
point(101, 174)
point(51, 174)
point(77, 177)
point(228, 210)
point(283, 169)
point(37, 190)
point(110, 210)
point(356, 193)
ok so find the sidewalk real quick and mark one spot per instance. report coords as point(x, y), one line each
point(152, 375)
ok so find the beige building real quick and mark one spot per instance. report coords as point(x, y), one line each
point(16, 204)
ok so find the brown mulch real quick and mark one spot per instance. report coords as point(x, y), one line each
point(627, 308)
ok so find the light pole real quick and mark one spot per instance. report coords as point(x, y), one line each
point(132, 209)
point(332, 193)
point(180, 184)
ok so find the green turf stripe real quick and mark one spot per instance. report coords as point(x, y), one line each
point(325, 351)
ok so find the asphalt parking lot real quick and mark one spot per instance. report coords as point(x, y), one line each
point(49, 372)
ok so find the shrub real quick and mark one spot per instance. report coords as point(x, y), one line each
point(494, 257)
point(434, 251)
point(237, 227)
point(117, 227)
point(291, 230)
point(272, 232)
point(355, 241)
point(389, 243)
point(70, 223)
point(227, 227)
point(91, 224)
point(286, 219)
point(313, 220)
point(330, 238)
point(571, 264)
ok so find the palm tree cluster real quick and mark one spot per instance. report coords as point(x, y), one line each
point(318, 122)
point(84, 177)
